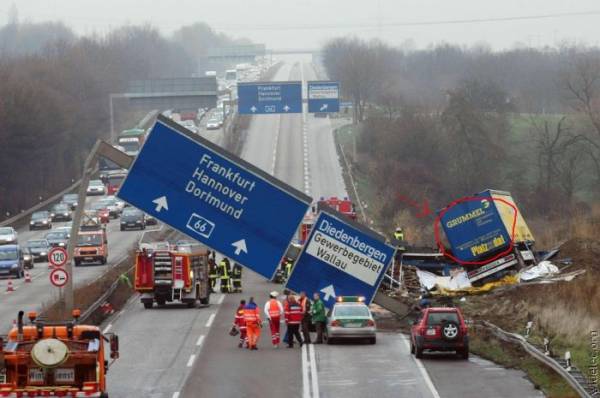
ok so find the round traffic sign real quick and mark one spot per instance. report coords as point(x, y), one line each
point(57, 256)
point(59, 277)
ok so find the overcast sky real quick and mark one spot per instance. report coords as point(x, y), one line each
point(309, 23)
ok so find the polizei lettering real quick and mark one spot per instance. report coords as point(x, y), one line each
point(227, 193)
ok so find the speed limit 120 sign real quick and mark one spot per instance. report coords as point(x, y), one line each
point(57, 256)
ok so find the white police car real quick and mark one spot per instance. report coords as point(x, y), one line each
point(350, 318)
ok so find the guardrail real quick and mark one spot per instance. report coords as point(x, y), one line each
point(584, 391)
point(18, 217)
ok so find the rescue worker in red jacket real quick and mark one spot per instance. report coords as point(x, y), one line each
point(253, 323)
point(274, 311)
point(293, 318)
point(240, 323)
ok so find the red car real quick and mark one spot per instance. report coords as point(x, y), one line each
point(102, 212)
point(440, 329)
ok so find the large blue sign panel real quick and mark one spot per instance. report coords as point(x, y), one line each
point(340, 258)
point(269, 97)
point(323, 97)
point(214, 197)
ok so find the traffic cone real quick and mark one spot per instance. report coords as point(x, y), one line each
point(27, 277)
point(10, 287)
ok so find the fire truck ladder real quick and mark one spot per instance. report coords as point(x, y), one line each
point(177, 290)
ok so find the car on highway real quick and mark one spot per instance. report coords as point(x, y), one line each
point(118, 202)
point(92, 246)
point(60, 212)
point(440, 329)
point(110, 202)
point(150, 220)
point(96, 187)
point(38, 249)
point(101, 211)
point(40, 220)
point(57, 238)
point(8, 236)
point(65, 228)
point(114, 181)
point(350, 318)
point(132, 218)
point(190, 125)
point(11, 261)
point(70, 199)
point(213, 124)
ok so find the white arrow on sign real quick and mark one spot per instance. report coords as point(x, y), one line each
point(161, 203)
point(240, 246)
point(324, 107)
point(253, 109)
point(286, 108)
point(329, 291)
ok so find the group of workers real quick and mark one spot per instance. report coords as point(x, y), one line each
point(297, 312)
point(230, 278)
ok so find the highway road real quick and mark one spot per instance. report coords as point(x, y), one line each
point(30, 296)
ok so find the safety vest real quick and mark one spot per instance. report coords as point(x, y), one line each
point(274, 311)
point(303, 302)
point(239, 319)
point(224, 274)
point(399, 235)
point(251, 315)
point(294, 314)
point(288, 267)
point(236, 272)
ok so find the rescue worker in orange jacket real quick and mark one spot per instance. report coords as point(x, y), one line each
point(240, 323)
point(273, 312)
point(253, 323)
point(293, 318)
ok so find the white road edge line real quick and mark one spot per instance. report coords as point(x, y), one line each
point(305, 370)
point(211, 318)
point(314, 376)
point(200, 341)
point(220, 300)
point(423, 371)
point(175, 394)
point(190, 361)
point(107, 328)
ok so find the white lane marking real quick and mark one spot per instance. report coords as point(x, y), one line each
point(220, 300)
point(149, 230)
point(211, 318)
point(305, 367)
point(423, 372)
point(275, 146)
point(175, 394)
point(190, 361)
point(107, 328)
point(200, 341)
point(313, 371)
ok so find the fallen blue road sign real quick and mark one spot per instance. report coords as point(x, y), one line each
point(214, 197)
point(323, 97)
point(340, 258)
point(269, 97)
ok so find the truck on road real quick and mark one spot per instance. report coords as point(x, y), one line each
point(131, 140)
point(58, 359)
point(169, 274)
point(487, 234)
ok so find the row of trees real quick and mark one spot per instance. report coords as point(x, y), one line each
point(448, 122)
point(54, 98)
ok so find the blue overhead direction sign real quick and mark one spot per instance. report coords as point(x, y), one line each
point(269, 97)
point(214, 197)
point(340, 258)
point(323, 97)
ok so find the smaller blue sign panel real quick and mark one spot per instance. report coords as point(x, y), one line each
point(341, 258)
point(269, 97)
point(323, 97)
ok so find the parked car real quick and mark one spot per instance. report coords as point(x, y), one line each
point(132, 219)
point(11, 261)
point(70, 199)
point(38, 249)
point(60, 212)
point(350, 318)
point(96, 187)
point(57, 238)
point(8, 236)
point(440, 329)
point(40, 220)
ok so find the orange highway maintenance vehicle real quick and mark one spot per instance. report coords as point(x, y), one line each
point(46, 359)
point(173, 274)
